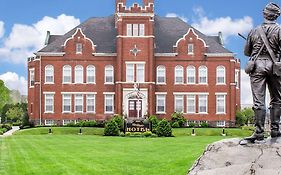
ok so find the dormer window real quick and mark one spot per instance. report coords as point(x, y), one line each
point(190, 49)
point(135, 30)
point(78, 48)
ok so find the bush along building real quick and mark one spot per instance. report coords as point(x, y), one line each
point(135, 64)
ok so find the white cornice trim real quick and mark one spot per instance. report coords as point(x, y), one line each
point(136, 14)
point(51, 54)
point(220, 54)
point(191, 93)
point(105, 54)
point(165, 54)
point(124, 36)
point(67, 93)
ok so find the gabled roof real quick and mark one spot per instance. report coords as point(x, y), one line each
point(103, 33)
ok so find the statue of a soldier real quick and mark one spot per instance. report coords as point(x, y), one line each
point(264, 47)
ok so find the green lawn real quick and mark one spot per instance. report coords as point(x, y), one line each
point(33, 151)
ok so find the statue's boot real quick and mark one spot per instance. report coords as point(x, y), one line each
point(275, 113)
point(259, 124)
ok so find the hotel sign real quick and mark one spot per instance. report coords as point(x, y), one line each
point(137, 126)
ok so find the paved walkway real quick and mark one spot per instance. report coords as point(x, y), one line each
point(10, 132)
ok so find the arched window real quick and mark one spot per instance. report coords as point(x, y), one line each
point(91, 74)
point(78, 74)
point(49, 74)
point(109, 74)
point(161, 74)
point(220, 75)
point(178, 75)
point(191, 74)
point(203, 75)
point(66, 73)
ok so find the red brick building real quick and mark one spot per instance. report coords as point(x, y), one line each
point(136, 64)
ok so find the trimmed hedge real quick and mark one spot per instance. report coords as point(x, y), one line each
point(111, 128)
point(164, 129)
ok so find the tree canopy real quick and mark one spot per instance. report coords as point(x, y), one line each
point(4, 95)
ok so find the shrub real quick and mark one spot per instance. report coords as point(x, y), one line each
point(147, 134)
point(111, 128)
point(175, 125)
point(71, 124)
point(204, 125)
point(122, 134)
point(250, 128)
point(120, 121)
point(191, 124)
point(164, 129)
point(127, 134)
point(154, 122)
point(6, 126)
point(179, 118)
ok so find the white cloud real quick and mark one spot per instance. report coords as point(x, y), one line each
point(246, 93)
point(24, 40)
point(173, 15)
point(2, 31)
point(226, 25)
point(15, 82)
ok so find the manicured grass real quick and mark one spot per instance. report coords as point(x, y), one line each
point(34, 151)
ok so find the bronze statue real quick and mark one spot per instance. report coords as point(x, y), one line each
point(263, 46)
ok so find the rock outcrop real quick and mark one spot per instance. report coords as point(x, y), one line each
point(230, 158)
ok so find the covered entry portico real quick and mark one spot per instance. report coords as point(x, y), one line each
point(134, 103)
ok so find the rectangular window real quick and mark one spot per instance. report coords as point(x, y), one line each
point(220, 104)
point(49, 103)
point(66, 100)
point(79, 103)
point(66, 75)
point(135, 30)
point(142, 31)
point(65, 122)
point(31, 78)
point(78, 48)
point(49, 122)
point(160, 103)
point(129, 30)
point(140, 73)
point(190, 49)
point(109, 74)
point(237, 78)
point(130, 72)
point(220, 123)
point(179, 103)
point(91, 101)
point(191, 75)
point(203, 103)
point(191, 104)
point(109, 103)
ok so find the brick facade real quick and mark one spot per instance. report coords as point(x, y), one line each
point(148, 50)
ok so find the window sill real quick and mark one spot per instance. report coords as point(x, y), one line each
point(220, 84)
point(160, 112)
point(67, 112)
point(109, 83)
point(31, 86)
point(202, 113)
point(179, 83)
point(88, 112)
point(161, 84)
point(109, 112)
point(49, 83)
point(78, 112)
point(220, 113)
point(48, 112)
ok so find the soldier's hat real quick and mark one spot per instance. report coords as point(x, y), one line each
point(271, 11)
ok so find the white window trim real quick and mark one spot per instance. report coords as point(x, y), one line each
point(182, 98)
point(140, 79)
point(75, 78)
point(94, 68)
point(105, 95)
point(182, 69)
point(219, 125)
point(87, 111)
point(53, 72)
point(194, 98)
point(199, 104)
point(157, 97)
point(237, 72)
point(63, 82)
point(199, 82)
point(45, 100)
point(190, 53)
point(76, 47)
point(157, 74)
point(220, 83)
point(224, 98)
point(63, 111)
point(105, 69)
point(192, 83)
point(31, 70)
point(80, 112)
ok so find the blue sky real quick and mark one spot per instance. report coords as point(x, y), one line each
point(23, 24)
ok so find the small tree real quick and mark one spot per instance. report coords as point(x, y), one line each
point(240, 118)
point(249, 115)
point(178, 118)
point(15, 114)
point(154, 122)
point(164, 129)
point(111, 128)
